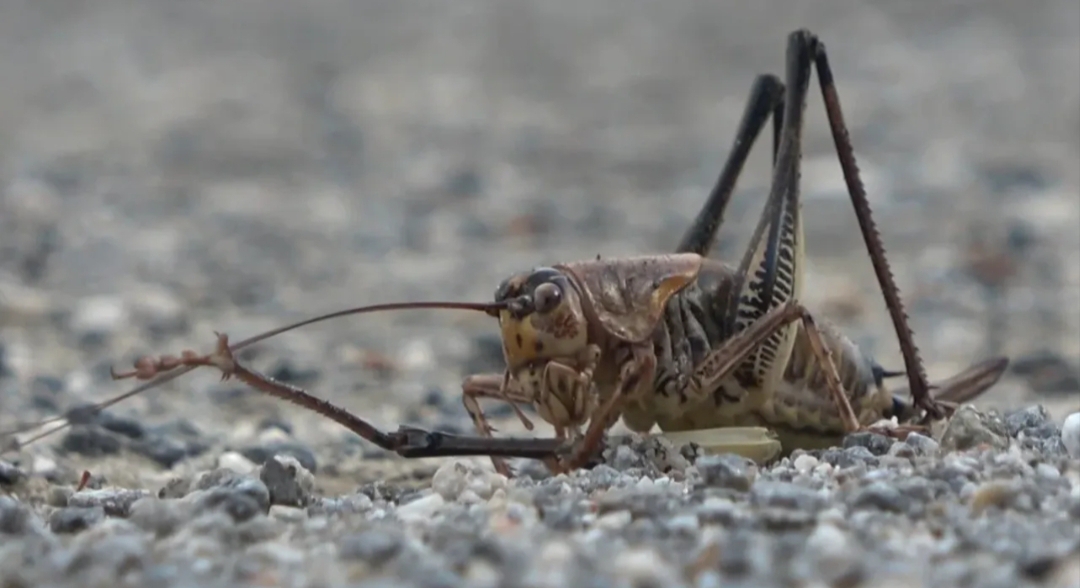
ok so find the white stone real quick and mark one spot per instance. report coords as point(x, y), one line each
point(645, 567)
point(99, 314)
point(613, 521)
point(421, 509)
point(805, 463)
point(43, 465)
point(1047, 471)
point(1070, 434)
point(231, 460)
point(287, 514)
point(450, 480)
point(416, 355)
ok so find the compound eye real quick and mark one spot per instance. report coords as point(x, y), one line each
point(546, 297)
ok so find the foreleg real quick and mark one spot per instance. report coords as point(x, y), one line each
point(498, 387)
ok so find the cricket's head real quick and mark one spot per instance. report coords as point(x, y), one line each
point(542, 317)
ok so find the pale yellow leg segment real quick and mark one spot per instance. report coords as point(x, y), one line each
point(497, 387)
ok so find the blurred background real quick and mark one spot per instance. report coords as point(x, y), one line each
point(168, 169)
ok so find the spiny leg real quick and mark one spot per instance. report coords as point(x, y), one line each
point(766, 96)
point(406, 441)
point(805, 45)
point(951, 392)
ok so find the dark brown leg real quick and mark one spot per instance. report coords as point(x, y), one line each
point(951, 392)
point(766, 96)
point(804, 46)
point(406, 441)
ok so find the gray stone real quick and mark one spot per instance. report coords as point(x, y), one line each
point(876, 443)
point(921, 444)
point(287, 482)
point(116, 502)
point(969, 428)
point(10, 475)
point(15, 517)
point(880, 496)
point(376, 546)
point(786, 495)
point(727, 470)
point(75, 519)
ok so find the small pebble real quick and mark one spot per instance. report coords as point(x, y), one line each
point(805, 463)
point(1070, 434)
point(969, 428)
point(876, 443)
point(1047, 472)
point(175, 488)
point(91, 441)
point(75, 519)
point(98, 315)
point(160, 517)
point(727, 471)
point(834, 551)
point(43, 466)
point(239, 506)
point(997, 493)
point(373, 545)
point(786, 495)
point(645, 567)
point(115, 502)
point(260, 453)
point(287, 513)
point(234, 461)
point(15, 517)
point(287, 481)
point(10, 475)
point(1028, 418)
point(921, 444)
point(881, 496)
point(421, 509)
point(166, 450)
point(450, 480)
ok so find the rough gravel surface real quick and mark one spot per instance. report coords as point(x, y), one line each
point(172, 169)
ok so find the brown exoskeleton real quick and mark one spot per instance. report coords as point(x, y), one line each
point(678, 341)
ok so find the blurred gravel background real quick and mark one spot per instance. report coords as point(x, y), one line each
point(168, 169)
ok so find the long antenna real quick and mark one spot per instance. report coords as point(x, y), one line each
point(148, 365)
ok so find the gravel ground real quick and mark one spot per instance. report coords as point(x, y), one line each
point(171, 169)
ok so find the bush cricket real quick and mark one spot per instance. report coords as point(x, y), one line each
point(677, 341)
